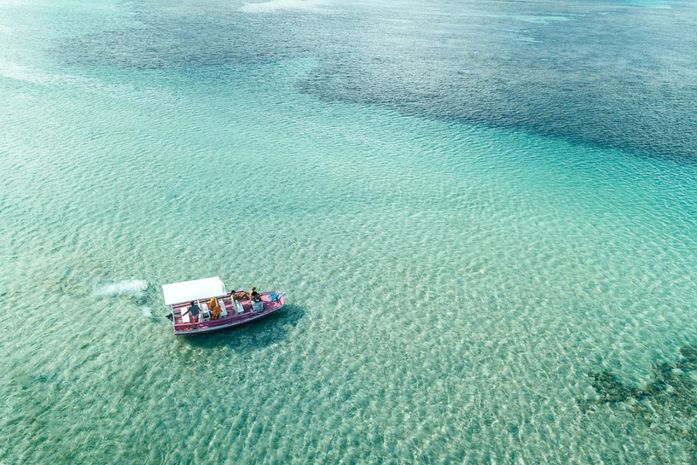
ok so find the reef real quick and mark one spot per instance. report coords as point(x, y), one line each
point(667, 403)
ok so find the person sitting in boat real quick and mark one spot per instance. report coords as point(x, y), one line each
point(214, 308)
point(239, 295)
point(257, 304)
point(194, 310)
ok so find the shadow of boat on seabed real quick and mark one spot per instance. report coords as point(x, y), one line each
point(253, 335)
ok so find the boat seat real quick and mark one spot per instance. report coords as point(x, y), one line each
point(258, 306)
point(205, 314)
point(185, 318)
point(223, 308)
point(238, 307)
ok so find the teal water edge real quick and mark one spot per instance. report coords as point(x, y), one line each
point(485, 262)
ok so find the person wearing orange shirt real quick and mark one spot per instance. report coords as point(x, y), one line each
point(214, 308)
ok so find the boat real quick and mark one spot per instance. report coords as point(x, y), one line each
point(234, 308)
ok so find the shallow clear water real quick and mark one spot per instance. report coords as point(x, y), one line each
point(460, 279)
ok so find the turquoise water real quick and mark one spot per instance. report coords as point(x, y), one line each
point(465, 286)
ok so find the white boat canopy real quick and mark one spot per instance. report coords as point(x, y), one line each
point(186, 291)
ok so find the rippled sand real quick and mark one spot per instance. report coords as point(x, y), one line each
point(459, 294)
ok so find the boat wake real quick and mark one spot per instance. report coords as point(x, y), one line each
point(132, 287)
point(276, 5)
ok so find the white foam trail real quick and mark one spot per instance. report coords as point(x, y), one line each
point(134, 287)
point(276, 5)
point(18, 72)
point(146, 311)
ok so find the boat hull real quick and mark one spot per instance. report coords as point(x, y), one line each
point(209, 326)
